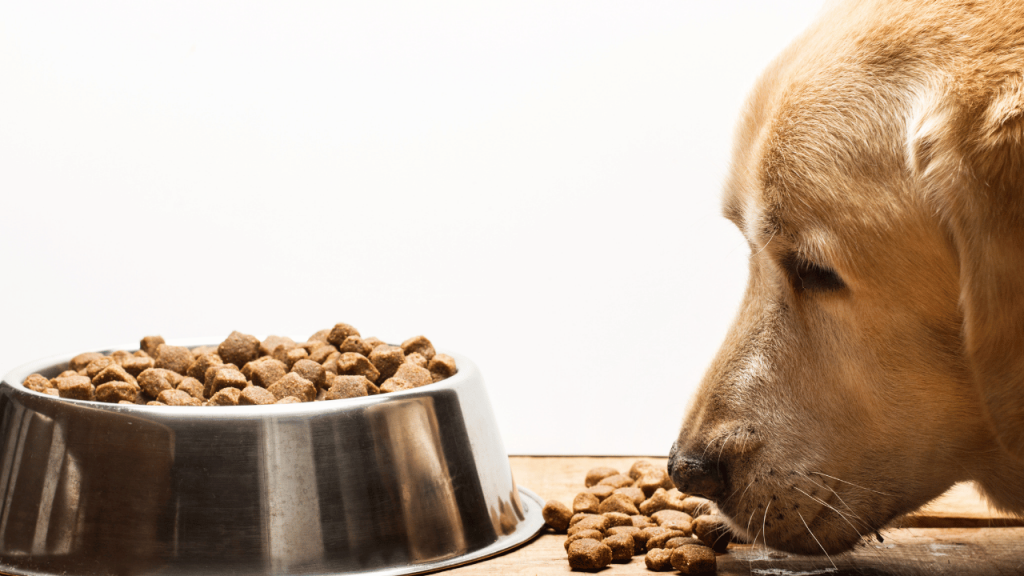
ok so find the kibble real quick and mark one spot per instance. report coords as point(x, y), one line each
point(659, 526)
point(331, 364)
point(658, 560)
point(587, 503)
point(712, 530)
point(587, 554)
point(556, 515)
point(622, 547)
point(694, 559)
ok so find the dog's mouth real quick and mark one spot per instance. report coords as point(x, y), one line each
point(802, 512)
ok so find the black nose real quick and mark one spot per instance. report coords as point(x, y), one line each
point(692, 474)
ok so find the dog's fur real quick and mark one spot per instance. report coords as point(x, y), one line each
point(886, 145)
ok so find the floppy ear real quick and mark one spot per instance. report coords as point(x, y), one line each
point(968, 154)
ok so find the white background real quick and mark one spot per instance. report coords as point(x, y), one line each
point(532, 184)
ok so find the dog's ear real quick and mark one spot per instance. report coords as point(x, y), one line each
point(967, 154)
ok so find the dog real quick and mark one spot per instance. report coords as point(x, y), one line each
point(878, 354)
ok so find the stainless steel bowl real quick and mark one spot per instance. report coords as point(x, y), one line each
point(399, 483)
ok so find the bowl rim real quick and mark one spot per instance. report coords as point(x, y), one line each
point(12, 384)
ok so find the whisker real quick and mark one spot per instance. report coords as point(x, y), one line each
point(850, 483)
point(825, 504)
point(816, 540)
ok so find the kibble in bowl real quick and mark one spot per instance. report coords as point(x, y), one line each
point(254, 482)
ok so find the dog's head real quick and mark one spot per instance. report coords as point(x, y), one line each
point(878, 355)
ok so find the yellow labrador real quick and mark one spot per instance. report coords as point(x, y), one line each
point(878, 355)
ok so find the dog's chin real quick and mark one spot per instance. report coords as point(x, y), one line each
point(803, 513)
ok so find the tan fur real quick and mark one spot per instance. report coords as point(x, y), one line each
point(887, 143)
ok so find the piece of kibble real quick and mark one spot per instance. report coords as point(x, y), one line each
point(289, 400)
point(663, 500)
point(556, 515)
point(292, 384)
point(149, 344)
point(663, 516)
point(294, 355)
point(641, 467)
point(414, 374)
point(659, 540)
point(677, 542)
point(197, 369)
point(595, 475)
point(635, 494)
point(211, 375)
point(589, 522)
point(658, 560)
point(622, 547)
point(340, 332)
point(696, 506)
point(694, 559)
point(37, 382)
point(75, 387)
point(321, 353)
point(355, 344)
point(442, 366)
point(617, 481)
point(98, 365)
point(617, 519)
point(617, 503)
point(227, 378)
point(266, 371)
point(155, 403)
point(601, 491)
point(396, 385)
point(114, 372)
point(586, 503)
point(311, 371)
point(116, 391)
point(156, 380)
point(418, 359)
point(120, 356)
point(352, 364)
point(178, 398)
point(82, 360)
point(373, 342)
point(712, 530)
point(348, 387)
point(173, 358)
point(641, 521)
point(137, 365)
point(587, 554)
point(653, 480)
point(256, 395)
point(192, 387)
point(419, 345)
point(582, 534)
point(268, 345)
point(631, 530)
point(226, 397)
point(239, 348)
point(386, 359)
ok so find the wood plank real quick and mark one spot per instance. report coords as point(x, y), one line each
point(905, 552)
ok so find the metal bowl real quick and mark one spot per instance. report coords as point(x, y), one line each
point(398, 483)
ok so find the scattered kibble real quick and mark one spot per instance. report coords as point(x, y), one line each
point(618, 516)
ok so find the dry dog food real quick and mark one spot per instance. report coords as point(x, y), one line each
point(619, 516)
point(332, 364)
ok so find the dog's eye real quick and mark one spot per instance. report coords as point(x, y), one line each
point(805, 275)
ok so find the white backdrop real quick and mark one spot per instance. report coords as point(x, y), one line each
point(532, 184)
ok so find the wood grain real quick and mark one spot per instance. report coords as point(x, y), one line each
point(907, 551)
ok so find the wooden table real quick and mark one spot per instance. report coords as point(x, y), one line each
point(956, 534)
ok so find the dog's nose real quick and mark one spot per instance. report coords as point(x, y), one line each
point(693, 474)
